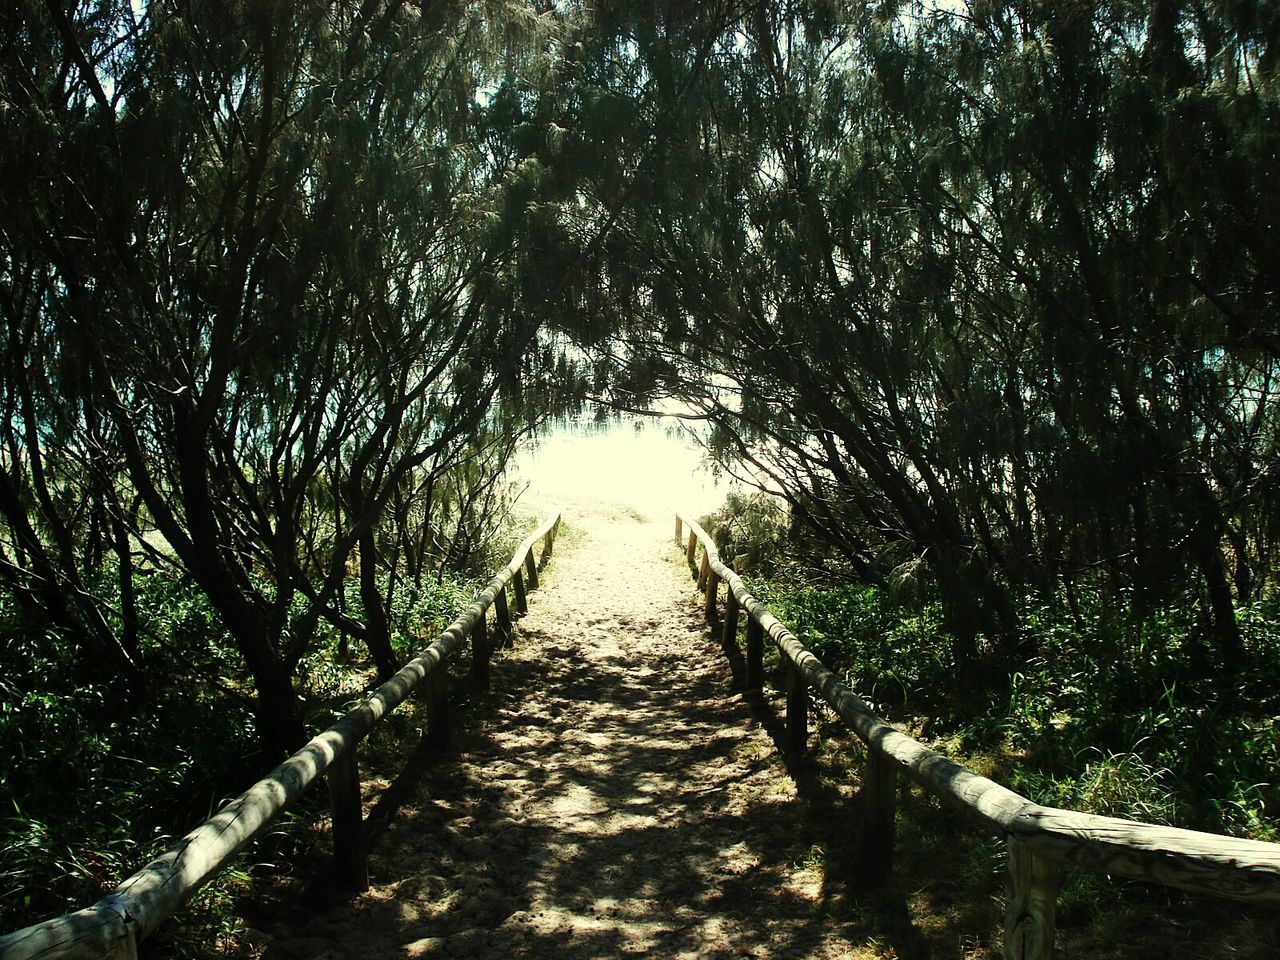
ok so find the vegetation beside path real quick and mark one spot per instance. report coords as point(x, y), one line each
point(1109, 720)
point(612, 795)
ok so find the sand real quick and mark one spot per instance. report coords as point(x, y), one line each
point(613, 794)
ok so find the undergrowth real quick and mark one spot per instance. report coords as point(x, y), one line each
point(98, 776)
point(1111, 711)
point(1135, 735)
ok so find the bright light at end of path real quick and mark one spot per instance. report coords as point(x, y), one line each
point(648, 466)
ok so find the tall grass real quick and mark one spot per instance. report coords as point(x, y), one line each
point(96, 776)
point(1113, 711)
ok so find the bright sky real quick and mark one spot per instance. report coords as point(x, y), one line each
point(647, 465)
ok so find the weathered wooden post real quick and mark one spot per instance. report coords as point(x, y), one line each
point(704, 571)
point(437, 684)
point(522, 604)
point(879, 814)
point(531, 565)
point(549, 541)
point(502, 620)
point(349, 858)
point(797, 709)
point(691, 548)
point(713, 585)
point(679, 527)
point(1028, 915)
point(755, 654)
point(480, 653)
point(729, 632)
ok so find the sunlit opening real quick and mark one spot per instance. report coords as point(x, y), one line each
point(653, 466)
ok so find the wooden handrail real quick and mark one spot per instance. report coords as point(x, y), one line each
point(112, 928)
point(1039, 837)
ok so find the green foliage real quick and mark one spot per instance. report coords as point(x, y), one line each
point(752, 533)
point(892, 655)
point(288, 337)
point(1093, 722)
point(96, 774)
point(978, 288)
point(425, 610)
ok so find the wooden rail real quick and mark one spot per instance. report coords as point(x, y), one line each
point(1039, 838)
point(115, 925)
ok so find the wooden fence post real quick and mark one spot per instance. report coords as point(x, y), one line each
point(691, 548)
point(502, 620)
point(343, 777)
point(755, 654)
point(709, 611)
point(522, 604)
point(704, 571)
point(437, 684)
point(480, 653)
point(549, 541)
point(797, 709)
point(678, 530)
point(531, 565)
point(729, 632)
point(1028, 915)
point(879, 813)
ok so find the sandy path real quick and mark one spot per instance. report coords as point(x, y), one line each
point(612, 796)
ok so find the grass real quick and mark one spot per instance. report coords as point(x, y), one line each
point(97, 780)
point(945, 897)
point(1113, 714)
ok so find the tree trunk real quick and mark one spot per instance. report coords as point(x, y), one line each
point(128, 595)
point(377, 627)
point(960, 615)
point(1226, 632)
point(1243, 575)
point(280, 728)
point(276, 705)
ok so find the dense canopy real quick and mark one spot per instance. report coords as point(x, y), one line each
point(985, 292)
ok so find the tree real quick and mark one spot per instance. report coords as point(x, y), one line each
point(274, 264)
point(965, 286)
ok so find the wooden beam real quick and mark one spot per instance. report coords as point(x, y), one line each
point(709, 612)
point(101, 932)
point(437, 685)
point(481, 651)
point(1028, 916)
point(879, 815)
point(532, 566)
point(729, 631)
point(797, 710)
point(692, 548)
point(502, 620)
point(349, 856)
point(755, 654)
point(679, 529)
point(549, 541)
point(522, 603)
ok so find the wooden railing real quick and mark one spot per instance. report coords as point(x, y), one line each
point(115, 925)
point(1039, 838)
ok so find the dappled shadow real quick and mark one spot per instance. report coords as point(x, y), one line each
point(611, 795)
point(829, 807)
point(618, 793)
point(585, 824)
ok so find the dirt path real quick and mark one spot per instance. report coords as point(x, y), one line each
point(612, 796)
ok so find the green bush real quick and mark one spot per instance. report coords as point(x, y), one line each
point(1117, 717)
point(97, 776)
